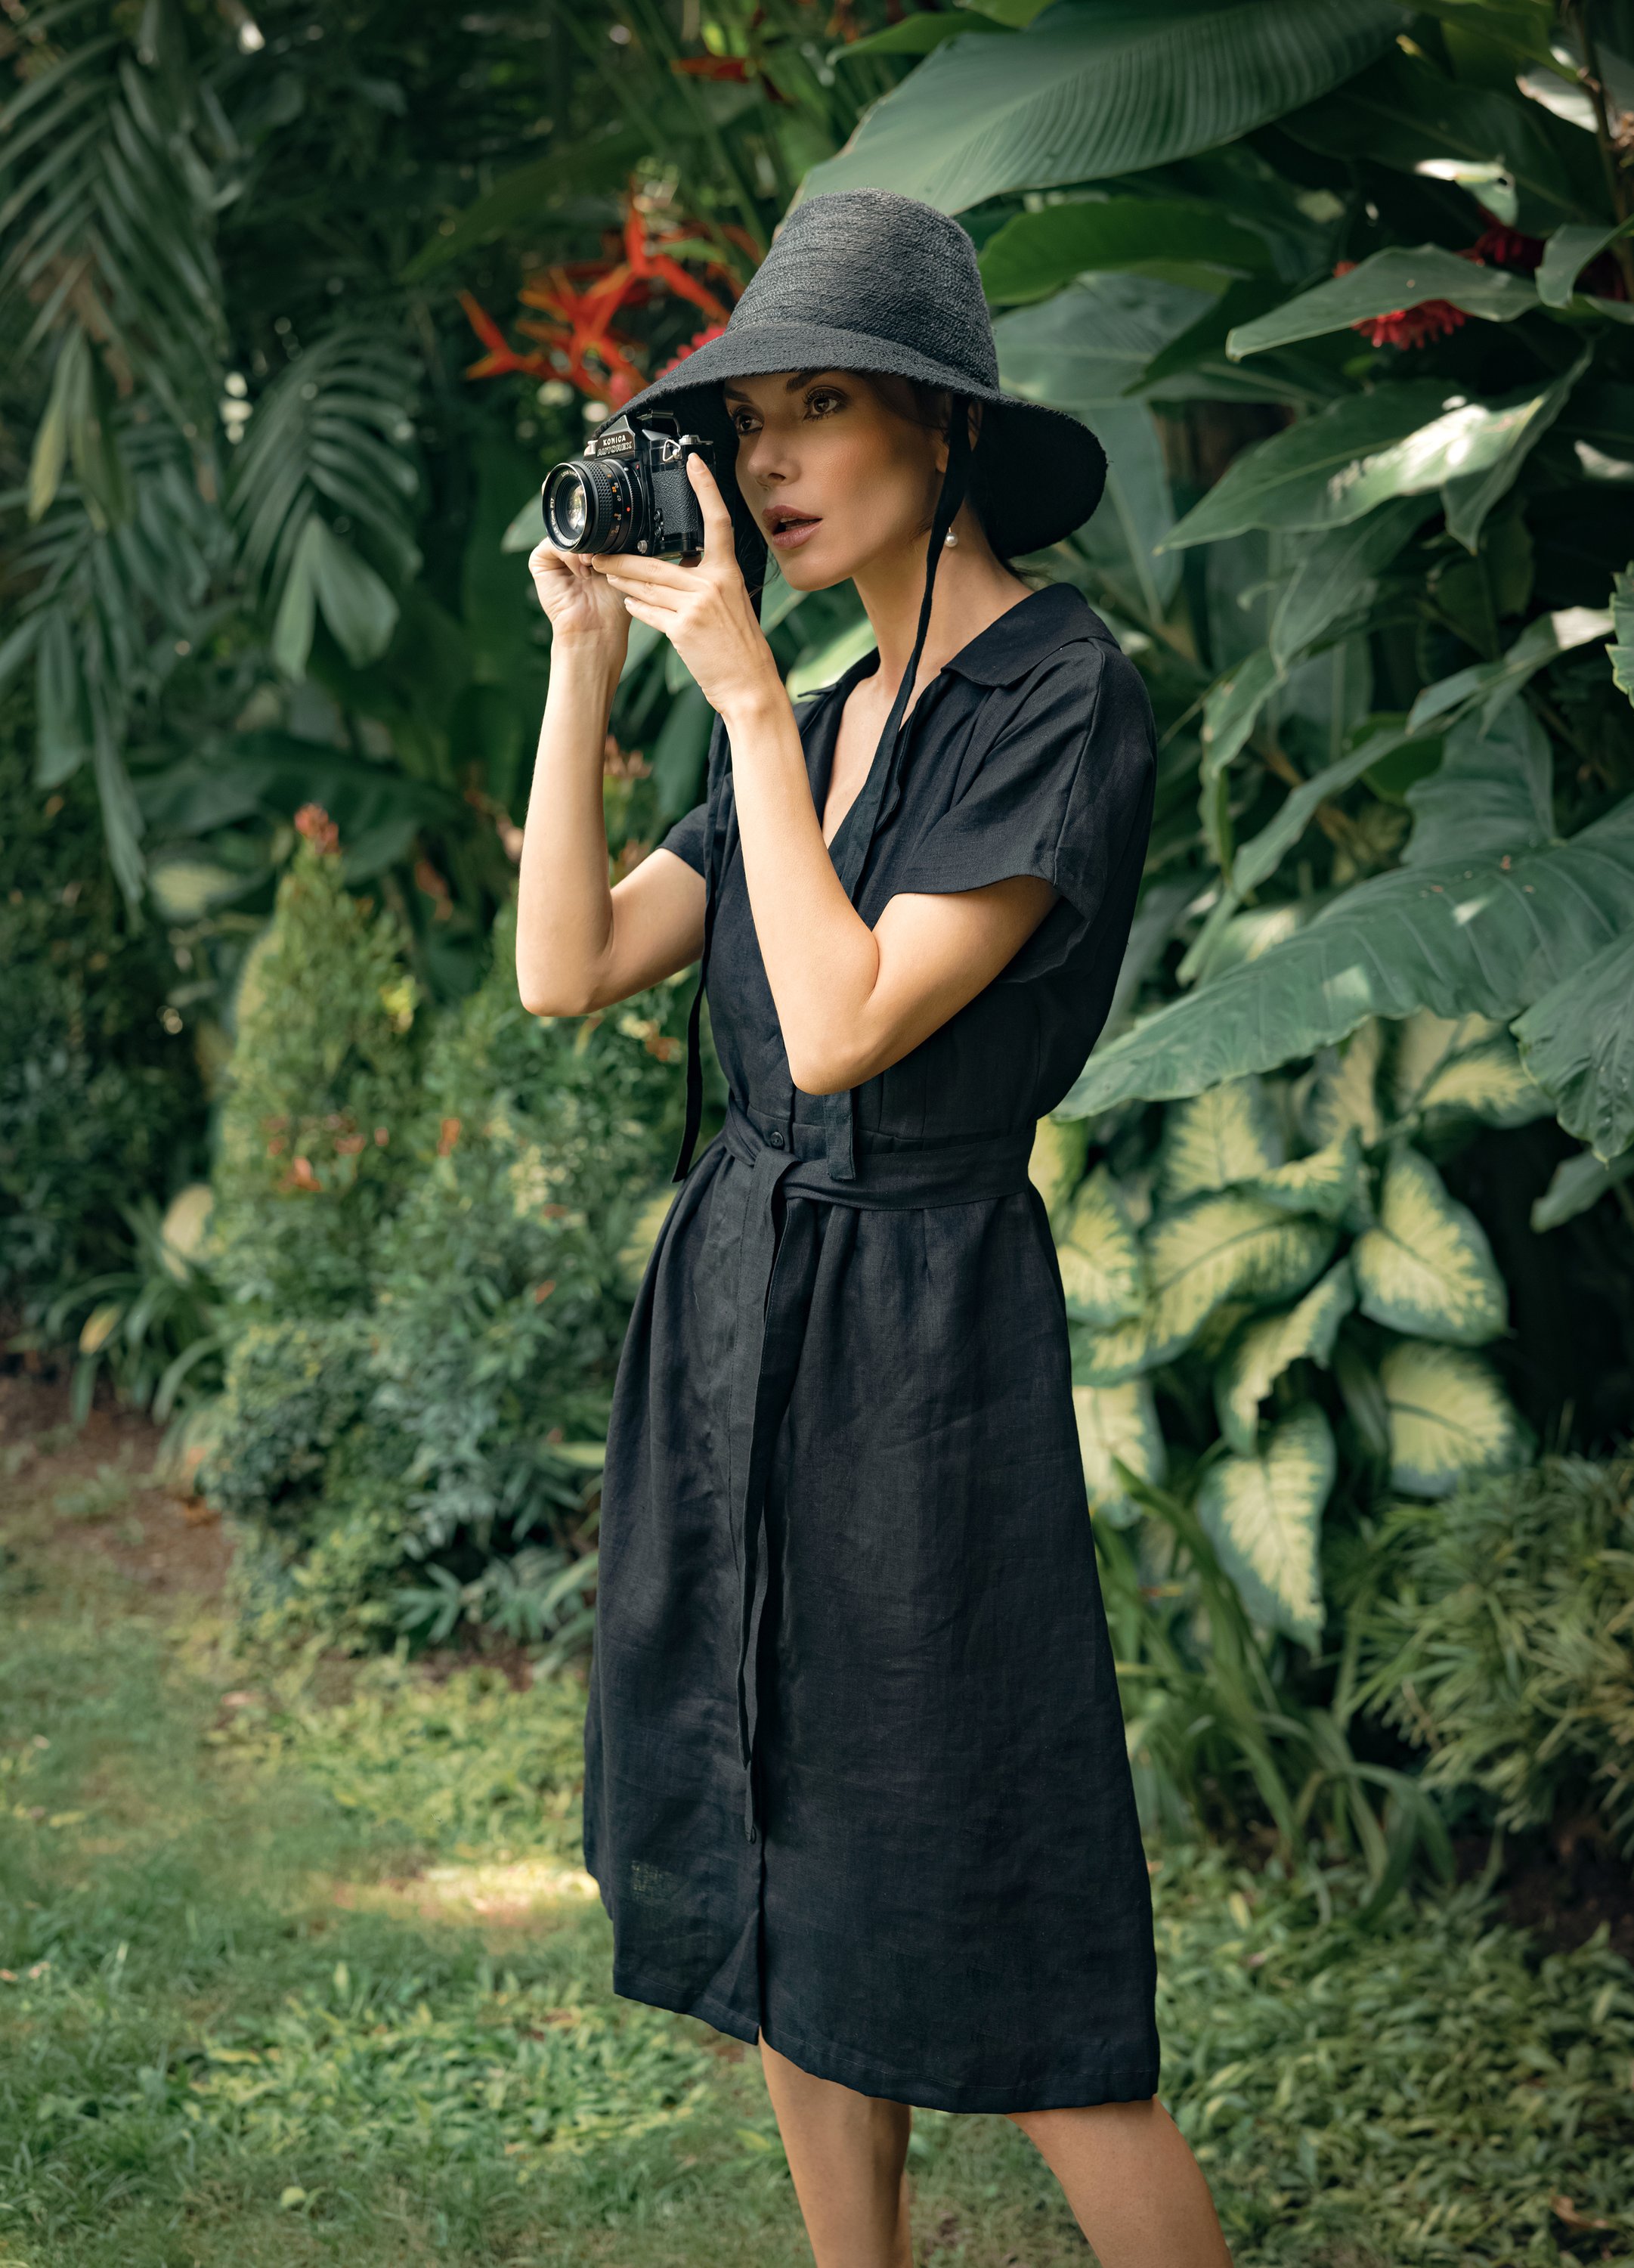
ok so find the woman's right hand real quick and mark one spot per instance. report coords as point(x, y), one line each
point(580, 605)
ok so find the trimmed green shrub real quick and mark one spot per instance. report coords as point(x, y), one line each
point(1505, 1645)
point(416, 1398)
point(322, 1078)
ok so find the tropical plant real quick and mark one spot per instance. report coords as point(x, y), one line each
point(1504, 1642)
point(1348, 293)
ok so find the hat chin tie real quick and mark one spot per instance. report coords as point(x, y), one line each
point(838, 1118)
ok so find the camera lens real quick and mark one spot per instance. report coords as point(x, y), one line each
point(583, 504)
point(571, 512)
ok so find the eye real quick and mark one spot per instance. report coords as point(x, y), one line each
point(736, 416)
point(820, 394)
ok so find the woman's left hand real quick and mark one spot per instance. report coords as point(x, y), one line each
point(704, 610)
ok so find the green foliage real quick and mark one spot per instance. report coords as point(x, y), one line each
point(1198, 1259)
point(303, 1964)
point(100, 1100)
point(418, 1383)
point(311, 1153)
point(1504, 1644)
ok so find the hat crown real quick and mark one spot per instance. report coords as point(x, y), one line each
point(871, 262)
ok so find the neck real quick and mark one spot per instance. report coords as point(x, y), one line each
point(972, 590)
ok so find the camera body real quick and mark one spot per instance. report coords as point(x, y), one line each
point(628, 491)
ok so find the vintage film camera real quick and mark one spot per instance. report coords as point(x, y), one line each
point(630, 491)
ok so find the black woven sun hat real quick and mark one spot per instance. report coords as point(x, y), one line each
point(867, 280)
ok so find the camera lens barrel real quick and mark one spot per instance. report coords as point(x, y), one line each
point(586, 504)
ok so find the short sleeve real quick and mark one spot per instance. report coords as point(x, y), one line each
point(688, 838)
point(1065, 793)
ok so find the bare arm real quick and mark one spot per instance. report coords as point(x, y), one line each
point(581, 945)
point(850, 1000)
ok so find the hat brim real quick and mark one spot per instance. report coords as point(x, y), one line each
point(1044, 470)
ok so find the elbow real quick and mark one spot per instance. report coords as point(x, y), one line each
point(556, 999)
point(826, 1071)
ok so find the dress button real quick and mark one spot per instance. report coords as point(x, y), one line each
point(775, 1137)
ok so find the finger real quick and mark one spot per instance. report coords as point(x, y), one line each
point(716, 519)
point(660, 617)
point(649, 574)
point(660, 595)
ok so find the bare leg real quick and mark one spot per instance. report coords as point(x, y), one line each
point(1135, 2189)
point(848, 2153)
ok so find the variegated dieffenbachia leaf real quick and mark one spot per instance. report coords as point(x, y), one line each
point(1122, 1422)
point(1344, 1091)
point(1213, 1140)
point(1452, 1066)
point(1057, 1163)
point(1621, 650)
point(1263, 1514)
point(1324, 1184)
point(1263, 1350)
point(1425, 1266)
point(1111, 1358)
point(1448, 1417)
point(1103, 1272)
point(1225, 1246)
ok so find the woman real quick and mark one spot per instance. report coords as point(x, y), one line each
point(856, 1781)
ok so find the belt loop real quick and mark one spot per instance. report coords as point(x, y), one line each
point(838, 1121)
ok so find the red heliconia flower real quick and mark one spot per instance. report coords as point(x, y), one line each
point(580, 299)
point(1504, 247)
point(312, 821)
point(1407, 326)
point(698, 339)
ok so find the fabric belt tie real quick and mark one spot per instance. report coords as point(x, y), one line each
point(769, 1311)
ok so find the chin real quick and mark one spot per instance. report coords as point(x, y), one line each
point(801, 572)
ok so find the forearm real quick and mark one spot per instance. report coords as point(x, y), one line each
point(564, 907)
point(822, 960)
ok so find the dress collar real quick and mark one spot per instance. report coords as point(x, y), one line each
point(1004, 651)
point(1022, 635)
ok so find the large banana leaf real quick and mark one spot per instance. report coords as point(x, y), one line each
point(1266, 1347)
point(1095, 88)
point(1120, 1423)
point(1398, 277)
point(1404, 440)
point(1334, 575)
point(1406, 114)
point(1487, 685)
point(1489, 934)
point(1092, 343)
point(1577, 1041)
point(1263, 1515)
point(1448, 1415)
point(1036, 253)
point(1493, 790)
point(1425, 1266)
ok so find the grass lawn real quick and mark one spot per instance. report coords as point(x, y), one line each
point(298, 1965)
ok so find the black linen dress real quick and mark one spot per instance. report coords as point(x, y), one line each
point(856, 1774)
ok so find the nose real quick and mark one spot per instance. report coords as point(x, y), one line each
point(763, 458)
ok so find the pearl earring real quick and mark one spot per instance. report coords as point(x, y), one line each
point(950, 542)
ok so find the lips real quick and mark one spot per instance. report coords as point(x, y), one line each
point(787, 528)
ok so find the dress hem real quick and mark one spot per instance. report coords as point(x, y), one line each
point(1121, 2082)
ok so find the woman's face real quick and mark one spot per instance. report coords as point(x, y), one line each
point(834, 473)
